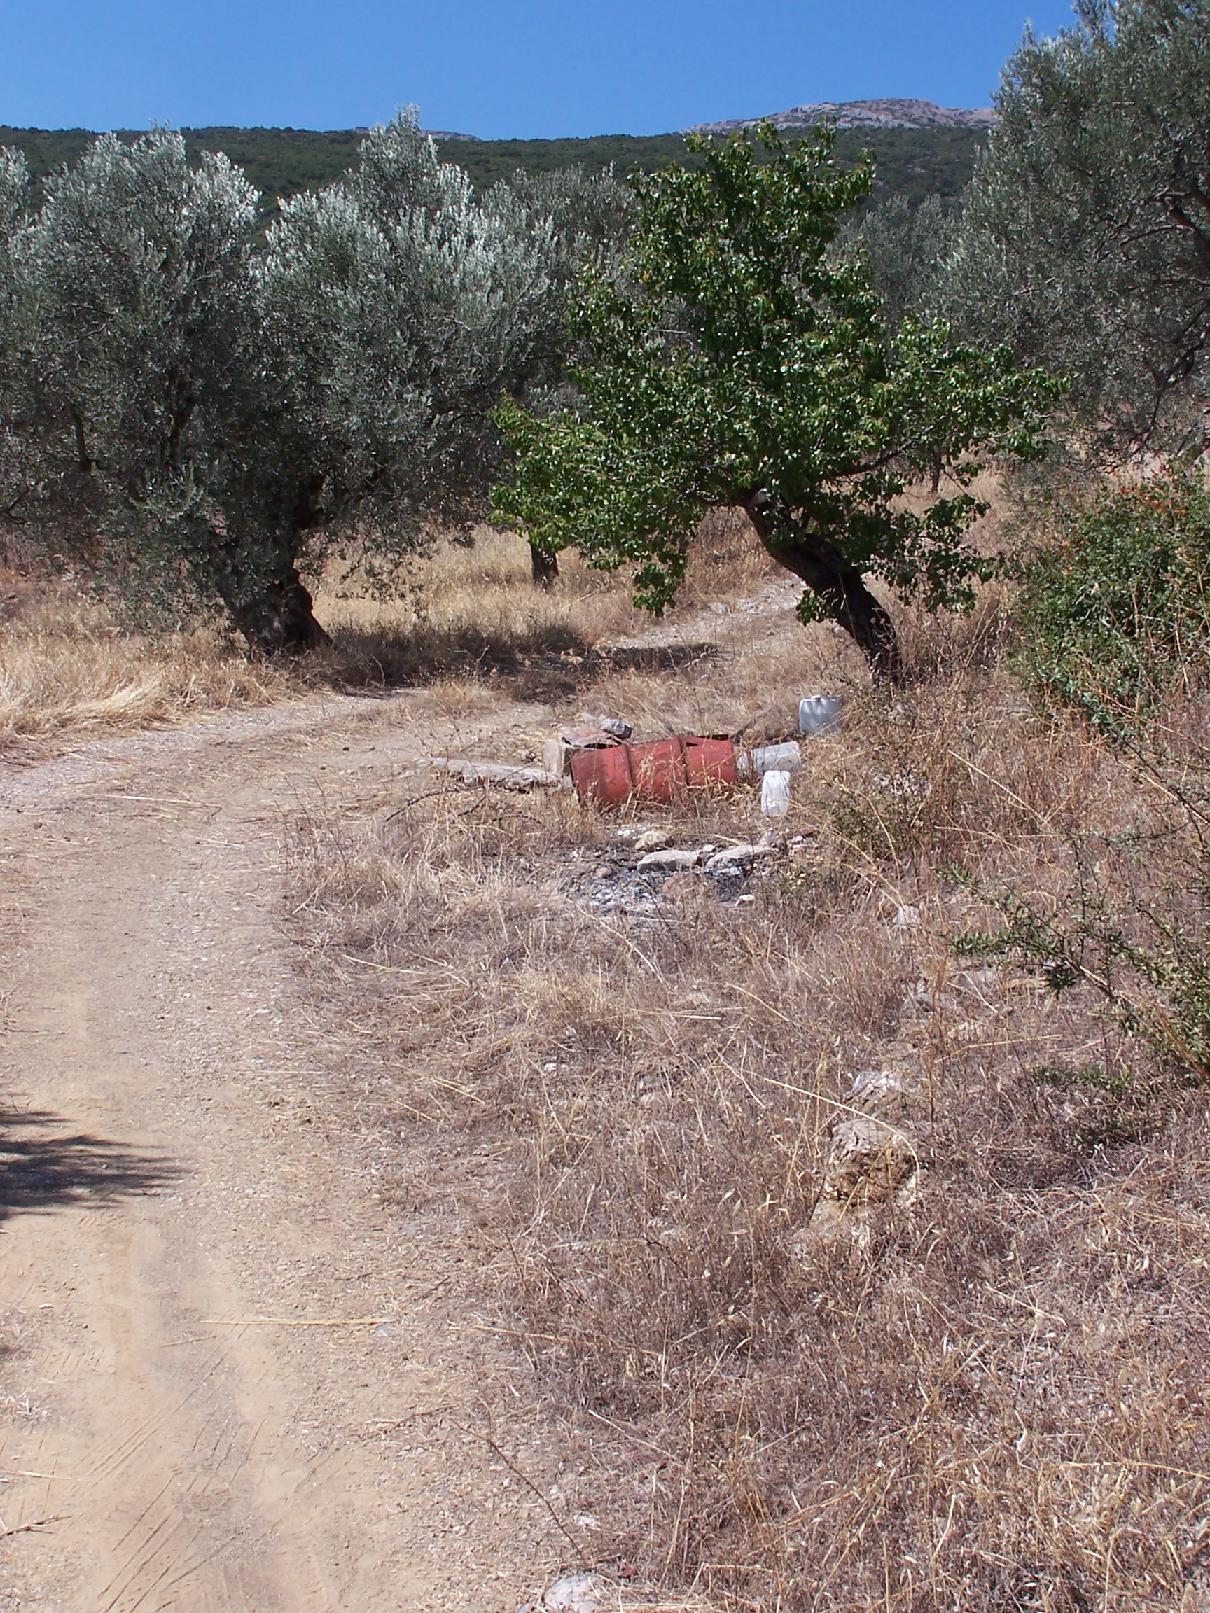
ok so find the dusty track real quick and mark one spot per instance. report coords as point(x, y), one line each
point(171, 1167)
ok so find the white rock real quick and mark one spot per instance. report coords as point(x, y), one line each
point(652, 840)
point(577, 1593)
point(906, 918)
point(668, 859)
point(734, 859)
point(872, 1087)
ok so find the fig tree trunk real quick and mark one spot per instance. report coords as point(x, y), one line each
point(544, 566)
point(835, 581)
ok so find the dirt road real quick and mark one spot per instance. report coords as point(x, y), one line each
point(233, 1378)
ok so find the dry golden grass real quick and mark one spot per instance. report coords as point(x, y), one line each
point(66, 671)
point(989, 1397)
point(467, 620)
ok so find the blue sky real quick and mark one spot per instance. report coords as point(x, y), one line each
point(534, 68)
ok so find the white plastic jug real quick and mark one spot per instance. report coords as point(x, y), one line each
point(819, 714)
point(775, 794)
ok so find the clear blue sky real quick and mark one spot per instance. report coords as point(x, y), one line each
point(492, 67)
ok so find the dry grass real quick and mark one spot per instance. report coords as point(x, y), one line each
point(989, 1397)
point(66, 671)
point(468, 621)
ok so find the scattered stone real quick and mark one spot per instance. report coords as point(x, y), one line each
point(658, 860)
point(577, 1593)
point(875, 1088)
point(735, 859)
point(979, 980)
point(508, 778)
point(652, 840)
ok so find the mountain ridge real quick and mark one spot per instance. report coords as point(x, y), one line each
point(884, 113)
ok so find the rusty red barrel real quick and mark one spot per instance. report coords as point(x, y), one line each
point(660, 771)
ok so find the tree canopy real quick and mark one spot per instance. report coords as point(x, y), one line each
point(740, 357)
point(195, 410)
point(1085, 239)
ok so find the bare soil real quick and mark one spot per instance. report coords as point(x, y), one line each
point(233, 1374)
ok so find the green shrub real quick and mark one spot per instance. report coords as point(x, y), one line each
point(1117, 613)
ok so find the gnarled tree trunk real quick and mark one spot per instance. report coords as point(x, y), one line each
point(835, 581)
point(265, 597)
point(278, 616)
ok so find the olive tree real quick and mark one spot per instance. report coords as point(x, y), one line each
point(590, 216)
point(127, 301)
point(905, 245)
point(199, 412)
point(1085, 237)
point(396, 308)
point(738, 358)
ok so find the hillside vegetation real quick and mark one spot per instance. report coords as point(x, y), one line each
point(281, 162)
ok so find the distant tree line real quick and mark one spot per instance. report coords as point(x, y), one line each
point(280, 163)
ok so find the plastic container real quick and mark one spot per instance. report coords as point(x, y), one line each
point(784, 758)
point(775, 793)
point(819, 714)
point(660, 771)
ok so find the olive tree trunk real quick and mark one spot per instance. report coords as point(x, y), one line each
point(266, 600)
point(835, 581)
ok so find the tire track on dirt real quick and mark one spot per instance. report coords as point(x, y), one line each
point(151, 1189)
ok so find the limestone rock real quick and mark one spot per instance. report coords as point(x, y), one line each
point(734, 859)
point(873, 1156)
point(652, 840)
point(869, 1159)
point(576, 1593)
point(657, 861)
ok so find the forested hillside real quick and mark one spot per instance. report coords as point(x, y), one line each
point(280, 162)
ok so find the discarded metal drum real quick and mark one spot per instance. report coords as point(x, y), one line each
point(660, 771)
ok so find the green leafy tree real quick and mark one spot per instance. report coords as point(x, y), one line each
point(739, 359)
point(1085, 239)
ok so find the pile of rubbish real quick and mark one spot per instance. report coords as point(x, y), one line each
point(607, 768)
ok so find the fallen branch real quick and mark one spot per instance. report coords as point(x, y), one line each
point(296, 1321)
point(32, 1527)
